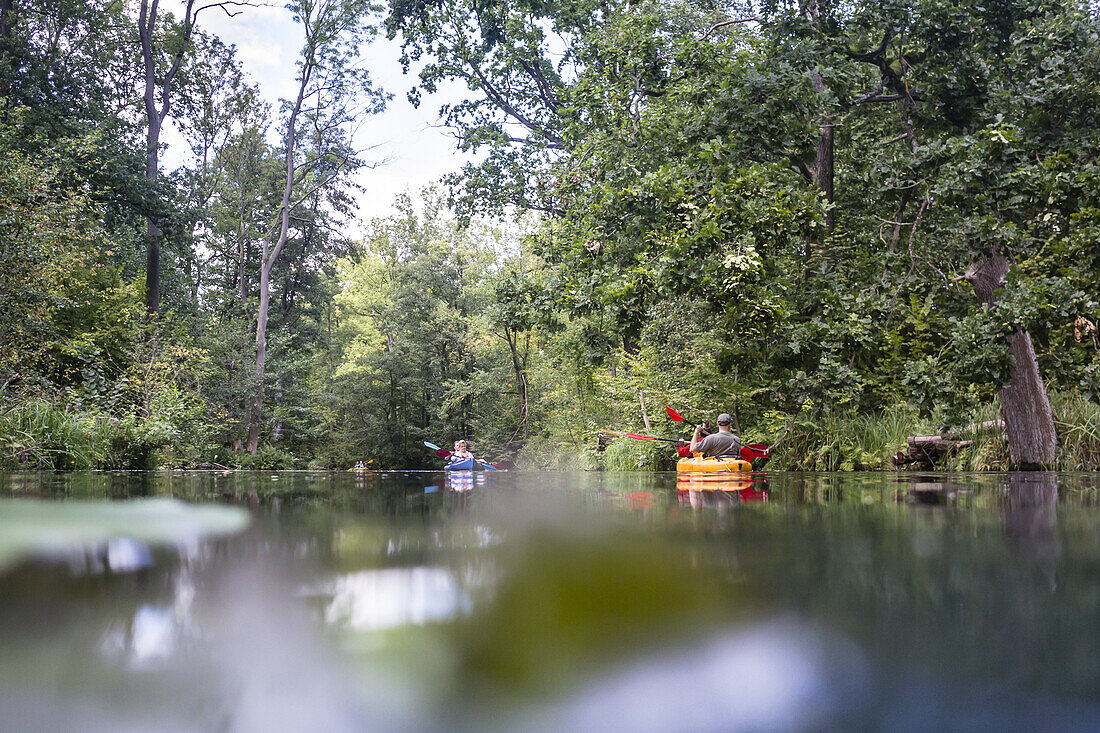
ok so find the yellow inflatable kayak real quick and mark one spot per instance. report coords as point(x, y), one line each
point(698, 463)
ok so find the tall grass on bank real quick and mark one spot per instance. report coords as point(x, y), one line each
point(564, 454)
point(988, 450)
point(38, 434)
point(1076, 419)
point(626, 454)
point(852, 442)
point(869, 442)
point(1078, 422)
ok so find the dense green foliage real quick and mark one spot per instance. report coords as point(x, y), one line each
point(773, 209)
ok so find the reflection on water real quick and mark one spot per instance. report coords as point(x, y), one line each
point(370, 600)
point(768, 676)
point(513, 601)
point(150, 636)
point(1031, 515)
point(721, 490)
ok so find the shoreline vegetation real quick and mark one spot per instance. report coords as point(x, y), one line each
point(35, 435)
point(875, 222)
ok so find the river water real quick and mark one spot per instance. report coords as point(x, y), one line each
point(301, 601)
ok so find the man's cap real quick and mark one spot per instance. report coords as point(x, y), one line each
point(724, 419)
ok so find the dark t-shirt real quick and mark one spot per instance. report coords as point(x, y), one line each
point(719, 444)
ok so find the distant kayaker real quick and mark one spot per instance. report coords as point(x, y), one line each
point(722, 443)
point(460, 452)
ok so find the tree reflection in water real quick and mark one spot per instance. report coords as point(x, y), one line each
point(419, 601)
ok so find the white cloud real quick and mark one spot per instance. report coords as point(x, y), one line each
point(417, 151)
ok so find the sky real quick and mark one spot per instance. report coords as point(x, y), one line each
point(413, 149)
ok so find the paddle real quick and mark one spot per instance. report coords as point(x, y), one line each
point(637, 436)
point(677, 417)
point(441, 452)
point(680, 418)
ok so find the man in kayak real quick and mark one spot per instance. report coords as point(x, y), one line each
point(722, 443)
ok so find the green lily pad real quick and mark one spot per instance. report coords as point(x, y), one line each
point(30, 528)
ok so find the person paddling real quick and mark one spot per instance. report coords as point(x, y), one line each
point(722, 443)
point(460, 453)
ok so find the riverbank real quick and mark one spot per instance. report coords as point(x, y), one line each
point(871, 442)
point(37, 434)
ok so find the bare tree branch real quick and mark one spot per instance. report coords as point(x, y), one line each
point(874, 57)
point(509, 109)
point(724, 23)
point(884, 98)
point(869, 95)
point(225, 7)
point(545, 92)
point(895, 139)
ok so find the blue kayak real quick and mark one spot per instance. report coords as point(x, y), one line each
point(469, 465)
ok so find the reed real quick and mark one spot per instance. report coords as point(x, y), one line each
point(38, 434)
point(1077, 420)
point(1078, 423)
point(848, 441)
point(544, 453)
point(625, 454)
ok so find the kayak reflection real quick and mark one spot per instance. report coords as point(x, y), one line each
point(716, 489)
point(462, 481)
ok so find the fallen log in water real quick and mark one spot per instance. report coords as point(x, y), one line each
point(973, 429)
point(927, 450)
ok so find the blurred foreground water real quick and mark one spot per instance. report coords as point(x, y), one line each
point(301, 601)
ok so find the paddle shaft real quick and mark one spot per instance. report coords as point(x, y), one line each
point(637, 436)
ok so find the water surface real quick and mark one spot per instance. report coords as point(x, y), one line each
point(549, 601)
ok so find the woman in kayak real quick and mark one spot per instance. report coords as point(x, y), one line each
point(460, 452)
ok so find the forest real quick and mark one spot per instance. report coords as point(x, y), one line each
point(858, 220)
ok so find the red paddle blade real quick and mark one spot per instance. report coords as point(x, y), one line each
point(639, 437)
point(443, 452)
point(754, 450)
point(673, 414)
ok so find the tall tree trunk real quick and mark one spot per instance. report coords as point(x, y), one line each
point(6, 15)
point(1029, 419)
point(823, 163)
point(519, 361)
point(147, 23)
point(269, 259)
point(323, 24)
point(294, 279)
point(152, 231)
point(1025, 407)
point(242, 281)
point(255, 416)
